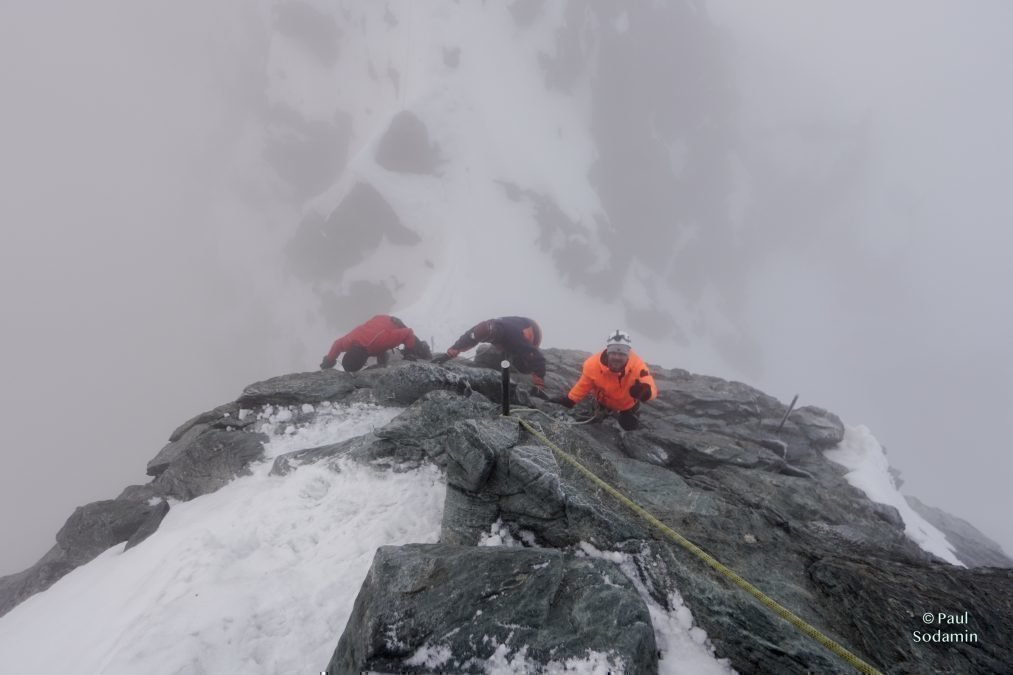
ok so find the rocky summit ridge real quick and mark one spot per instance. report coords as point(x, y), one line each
point(711, 462)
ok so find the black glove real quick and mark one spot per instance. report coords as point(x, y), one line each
point(640, 391)
point(563, 401)
point(442, 358)
point(328, 363)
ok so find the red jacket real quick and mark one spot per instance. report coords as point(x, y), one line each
point(377, 335)
point(612, 389)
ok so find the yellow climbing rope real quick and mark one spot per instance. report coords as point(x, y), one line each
point(728, 573)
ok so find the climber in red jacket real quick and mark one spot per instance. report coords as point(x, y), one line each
point(375, 338)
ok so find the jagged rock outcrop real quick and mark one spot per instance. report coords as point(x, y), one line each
point(889, 602)
point(209, 462)
point(464, 604)
point(972, 547)
point(711, 462)
point(89, 531)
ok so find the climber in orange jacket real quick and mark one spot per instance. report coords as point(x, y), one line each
point(375, 338)
point(619, 380)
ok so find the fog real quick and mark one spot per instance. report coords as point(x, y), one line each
point(141, 267)
point(895, 313)
point(124, 310)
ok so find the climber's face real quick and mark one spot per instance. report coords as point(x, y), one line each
point(616, 360)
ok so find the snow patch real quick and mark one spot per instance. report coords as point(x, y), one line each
point(869, 471)
point(684, 647)
point(499, 535)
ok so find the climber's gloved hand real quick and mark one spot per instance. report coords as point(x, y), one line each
point(640, 391)
point(443, 358)
point(563, 401)
point(327, 363)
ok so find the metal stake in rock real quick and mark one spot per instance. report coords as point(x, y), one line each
point(505, 365)
point(786, 413)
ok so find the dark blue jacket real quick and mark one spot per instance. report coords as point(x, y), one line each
point(517, 336)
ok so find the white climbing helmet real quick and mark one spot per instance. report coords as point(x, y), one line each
point(618, 341)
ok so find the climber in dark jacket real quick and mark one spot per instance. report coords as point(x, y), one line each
point(375, 338)
point(517, 337)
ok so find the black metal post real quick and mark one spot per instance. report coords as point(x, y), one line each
point(786, 413)
point(505, 365)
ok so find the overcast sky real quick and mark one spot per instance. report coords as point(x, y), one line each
point(125, 312)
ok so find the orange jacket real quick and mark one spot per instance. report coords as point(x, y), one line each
point(612, 389)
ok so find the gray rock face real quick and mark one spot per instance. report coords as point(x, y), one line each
point(92, 529)
point(212, 460)
point(823, 429)
point(473, 601)
point(314, 387)
point(963, 603)
point(172, 450)
point(972, 547)
point(472, 447)
point(149, 525)
point(417, 435)
point(430, 415)
point(223, 417)
point(690, 451)
point(89, 531)
point(224, 413)
point(17, 588)
point(408, 383)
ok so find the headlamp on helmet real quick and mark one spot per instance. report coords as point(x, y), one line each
point(618, 341)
